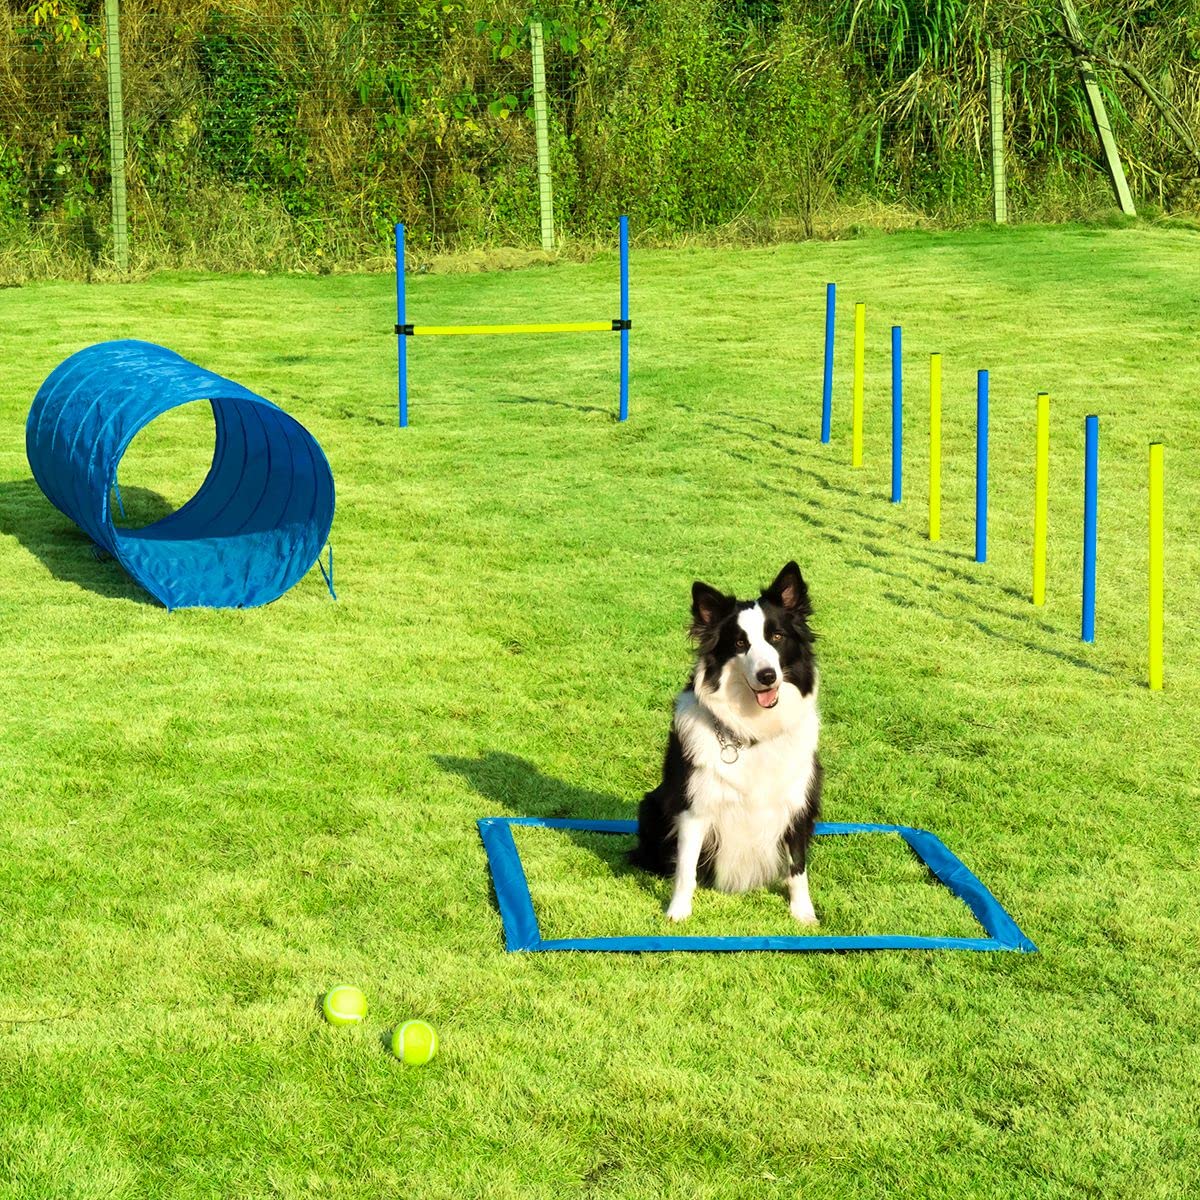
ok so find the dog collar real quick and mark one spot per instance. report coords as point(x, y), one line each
point(731, 745)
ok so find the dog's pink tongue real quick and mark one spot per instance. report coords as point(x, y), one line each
point(766, 699)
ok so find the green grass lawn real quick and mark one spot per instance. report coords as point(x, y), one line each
point(211, 817)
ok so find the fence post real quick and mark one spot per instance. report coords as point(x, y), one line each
point(996, 123)
point(116, 134)
point(541, 127)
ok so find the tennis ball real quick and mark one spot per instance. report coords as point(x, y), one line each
point(414, 1043)
point(344, 1005)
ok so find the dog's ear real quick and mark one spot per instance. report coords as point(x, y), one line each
point(708, 606)
point(789, 590)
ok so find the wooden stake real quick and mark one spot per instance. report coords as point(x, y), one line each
point(996, 122)
point(541, 122)
point(116, 134)
point(1108, 142)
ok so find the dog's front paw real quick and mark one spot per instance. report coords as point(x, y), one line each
point(804, 914)
point(680, 910)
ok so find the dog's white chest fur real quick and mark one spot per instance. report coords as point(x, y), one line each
point(749, 803)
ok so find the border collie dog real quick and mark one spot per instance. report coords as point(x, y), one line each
point(741, 783)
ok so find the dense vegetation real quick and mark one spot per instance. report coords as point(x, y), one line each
point(275, 133)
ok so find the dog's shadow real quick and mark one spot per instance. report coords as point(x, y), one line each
point(513, 785)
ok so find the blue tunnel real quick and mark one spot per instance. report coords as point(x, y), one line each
point(260, 518)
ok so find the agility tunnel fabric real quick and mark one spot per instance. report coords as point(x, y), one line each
point(260, 518)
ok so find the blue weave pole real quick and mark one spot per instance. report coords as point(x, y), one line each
point(827, 397)
point(624, 410)
point(1091, 472)
point(981, 468)
point(401, 342)
point(897, 416)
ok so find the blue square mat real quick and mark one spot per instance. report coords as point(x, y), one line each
point(521, 930)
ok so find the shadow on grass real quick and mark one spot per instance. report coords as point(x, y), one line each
point(64, 549)
point(367, 417)
point(1074, 660)
point(541, 400)
point(513, 785)
point(479, 402)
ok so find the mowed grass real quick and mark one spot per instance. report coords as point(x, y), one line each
point(212, 817)
point(582, 886)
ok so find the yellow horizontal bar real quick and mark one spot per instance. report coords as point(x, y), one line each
point(564, 327)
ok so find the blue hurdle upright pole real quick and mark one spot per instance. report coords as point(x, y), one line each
point(1091, 471)
point(827, 398)
point(624, 413)
point(897, 417)
point(401, 340)
point(981, 467)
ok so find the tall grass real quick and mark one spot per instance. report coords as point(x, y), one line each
point(285, 135)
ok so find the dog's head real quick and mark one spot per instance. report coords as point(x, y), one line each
point(763, 644)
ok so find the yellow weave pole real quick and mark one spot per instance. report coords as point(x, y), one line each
point(860, 338)
point(1156, 566)
point(561, 327)
point(1041, 498)
point(935, 447)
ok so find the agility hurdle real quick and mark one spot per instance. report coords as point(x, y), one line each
point(404, 330)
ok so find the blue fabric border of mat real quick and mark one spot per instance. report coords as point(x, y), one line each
point(521, 930)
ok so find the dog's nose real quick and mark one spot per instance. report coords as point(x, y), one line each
point(766, 676)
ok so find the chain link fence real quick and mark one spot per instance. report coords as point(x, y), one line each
point(276, 135)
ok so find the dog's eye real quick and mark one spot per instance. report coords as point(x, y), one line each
point(776, 638)
point(742, 643)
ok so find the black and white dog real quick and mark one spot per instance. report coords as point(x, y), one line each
point(741, 782)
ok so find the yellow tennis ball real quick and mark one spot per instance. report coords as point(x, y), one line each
point(414, 1043)
point(344, 1005)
